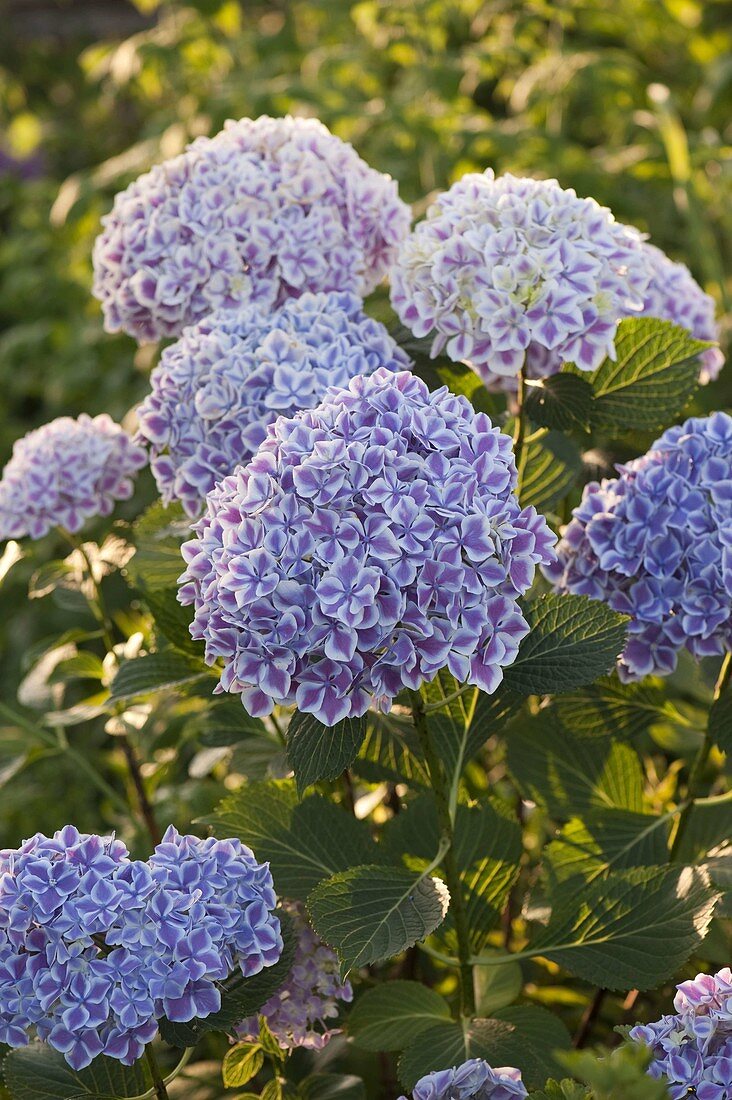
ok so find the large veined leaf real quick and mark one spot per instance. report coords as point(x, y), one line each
point(609, 839)
point(548, 468)
point(157, 535)
point(304, 842)
point(720, 721)
point(706, 828)
point(172, 620)
point(318, 752)
point(610, 707)
point(560, 401)
point(156, 672)
point(631, 929)
point(372, 913)
point(573, 640)
point(521, 1035)
point(390, 1015)
point(37, 1072)
point(570, 775)
point(332, 1086)
point(654, 376)
point(390, 751)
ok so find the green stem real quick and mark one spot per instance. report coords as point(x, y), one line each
point(452, 875)
point(701, 759)
point(158, 1090)
point(519, 430)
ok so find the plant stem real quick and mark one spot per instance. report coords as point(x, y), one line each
point(452, 875)
point(135, 771)
point(588, 1019)
point(519, 430)
point(701, 759)
point(159, 1089)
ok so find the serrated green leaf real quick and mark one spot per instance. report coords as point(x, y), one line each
point(632, 929)
point(610, 839)
point(316, 752)
point(373, 912)
point(570, 776)
point(391, 1015)
point(37, 1072)
point(304, 842)
point(654, 376)
point(496, 987)
point(720, 721)
point(573, 640)
point(241, 1063)
point(390, 751)
point(561, 401)
point(707, 826)
point(566, 1089)
point(619, 1073)
point(172, 619)
point(521, 1035)
point(157, 535)
point(155, 672)
point(332, 1086)
point(548, 469)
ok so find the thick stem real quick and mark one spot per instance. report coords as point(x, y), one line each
point(452, 875)
point(701, 759)
point(588, 1019)
point(519, 430)
point(159, 1089)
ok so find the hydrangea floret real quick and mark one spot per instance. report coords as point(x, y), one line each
point(264, 211)
point(95, 948)
point(473, 1080)
point(692, 1050)
point(219, 387)
point(65, 473)
point(656, 543)
point(506, 270)
point(371, 542)
point(299, 1013)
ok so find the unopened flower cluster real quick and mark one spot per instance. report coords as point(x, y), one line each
point(263, 211)
point(298, 1014)
point(656, 544)
point(507, 269)
point(692, 1050)
point(370, 543)
point(65, 473)
point(219, 387)
point(95, 947)
point(473, 1080)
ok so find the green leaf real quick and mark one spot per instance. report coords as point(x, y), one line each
point(332, 1086)
point(707, 827)
point(619, 1073)
point(720, 721)
point(37, 1072)
point(567, 1089)
point(319, 752)
point(496, 987)
point(158, 535)
point(632, 929)
point(569, 775)
point(607, 840)
point(227, 723)
point(390, 751)
point(372, 913)
point(560, 401)
point(521, 1035)
point(654, 376)
point(304, 842)
point(155, 672)
point(172, 619)
point(389, 1016)
point(548, 469)
point(627, 709)
point(241, 1063)
point(573, 640)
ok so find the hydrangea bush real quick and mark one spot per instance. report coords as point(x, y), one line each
point(424, 645)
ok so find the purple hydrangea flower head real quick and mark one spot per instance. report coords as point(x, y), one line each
point(298, 1014)
point(95, 948)
point(656, 543)
point(692, 1050)
point(65, 473)
point(504, 270)
point(369, 543)
point(217, 389)
point(473, 1080)
point(264, 211)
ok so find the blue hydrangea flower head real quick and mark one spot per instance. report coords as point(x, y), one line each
point(95, 948)
point(218, 388)
point(264, 211)
point(301, 1012)
point(507, 269)
point(692, 1050)
point(656, 543)
point(370, 542)
point(65, 473)
point(473, 1080)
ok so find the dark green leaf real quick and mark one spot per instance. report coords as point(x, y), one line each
point(627, 710)
point(620, 1074)
point(158, 535)
point(172, 619)
point(390, 751)
point(389, 1016)
point(37, 1072)
point(573, 640)
point(305, 842)
point(155, 672)
point(560, 401)
point(496, 987)
point(720, 721)
point(566, 1089)
point(548, 469)
point(332, 1086)
point(372, 913)
point(319, 752)
point(609, 839)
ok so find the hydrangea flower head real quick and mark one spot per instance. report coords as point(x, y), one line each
point(298, 1013)
point(656, 543)
point(473, 1080)
point(65, 473)
point(370, 542)
point(217, 389)
point(264, 211)
point(95, 948)
point(692, 1050)
point(506, 269)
